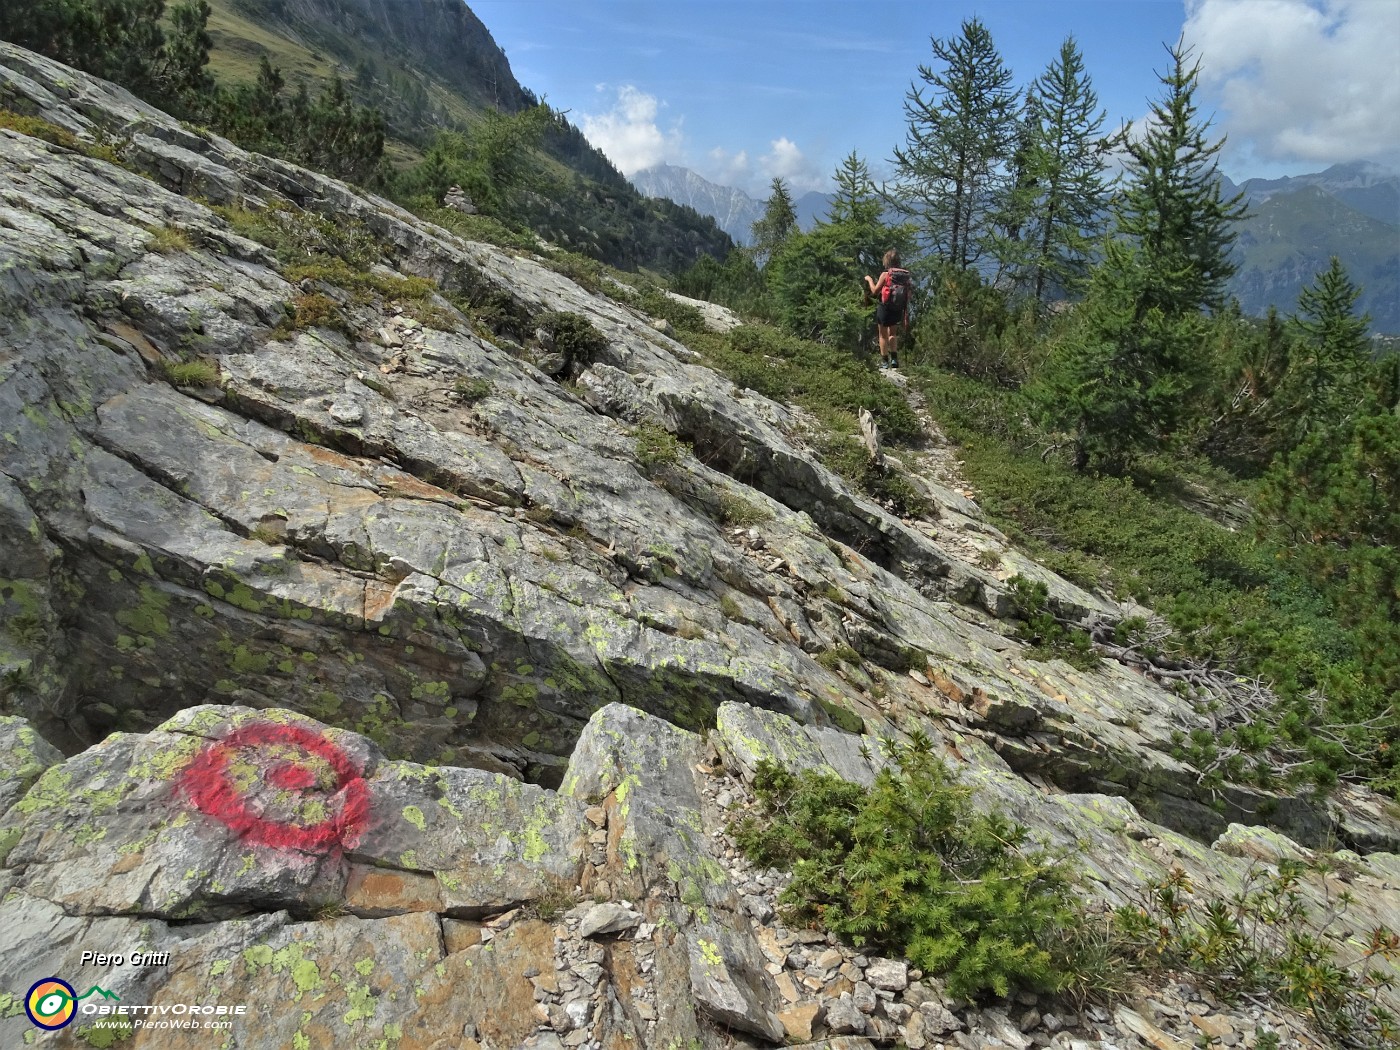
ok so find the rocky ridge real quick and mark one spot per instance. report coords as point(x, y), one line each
point(406, 565)
point(423, 906)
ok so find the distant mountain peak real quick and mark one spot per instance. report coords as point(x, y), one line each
point(1367, 187)
point(734, 209)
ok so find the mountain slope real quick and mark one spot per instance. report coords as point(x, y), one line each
point(431, 65)
point(1368, 188)
point(1291, 235)
point(440, 39)
point(732, 208)
point(406, 685)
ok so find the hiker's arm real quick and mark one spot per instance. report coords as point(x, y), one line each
point(874, 287)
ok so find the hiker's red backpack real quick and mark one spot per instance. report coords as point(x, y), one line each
point(895, 293)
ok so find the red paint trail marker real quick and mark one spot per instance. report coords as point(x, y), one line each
point(261, 778)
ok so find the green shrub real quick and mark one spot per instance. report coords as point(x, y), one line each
point(1259, 940)
point(657, 448)
point(652, 300)
point(488, 304)
point(574, 336)
point(585, 272)
point(1232, 598)
point(471, 389)
point(315, 310)
point(837, 655)
point(883, 483)
point(297, 236)
point(1048, 638)
point(909, 868)
point(969, 328)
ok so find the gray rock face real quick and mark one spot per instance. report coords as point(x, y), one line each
point(336, 530)
point(642, 769)
point(323, 637)
point(24, 755)
point(603, 919)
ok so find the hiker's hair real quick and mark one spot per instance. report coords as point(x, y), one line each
point(891, 258)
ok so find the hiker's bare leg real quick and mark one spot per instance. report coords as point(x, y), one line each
point(887, 339)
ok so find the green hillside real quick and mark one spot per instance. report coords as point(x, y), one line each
point(1291, 237)
point(431, 66)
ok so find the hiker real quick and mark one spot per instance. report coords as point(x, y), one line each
point(892, 293)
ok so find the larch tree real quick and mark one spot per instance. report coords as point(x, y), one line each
point(1119, 384)
point(778, 222)
point(1174, 210)
point(1066, 170)
point(1331, 356)
point(951, 173)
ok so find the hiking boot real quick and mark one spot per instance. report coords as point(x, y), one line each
point(894, 360)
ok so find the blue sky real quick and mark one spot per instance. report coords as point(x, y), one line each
point(743, 91)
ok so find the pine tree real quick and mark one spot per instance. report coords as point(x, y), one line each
point(118, 40)
point(1245, 416)
point(950, 173)
point(1119, 384)
point(1330, 361)
point(1065, 169)
point(778, 223)
point(1012, 243)
point(1173, 209)
point(185, 79)
point(857, 211)
point(1114, 384)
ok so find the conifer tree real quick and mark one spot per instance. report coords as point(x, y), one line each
point(778, 223)
point(1333, 495)
point(1119, 384)
point(1064, 173)
point(185, 79)
point(1174, 209)
point(1114, 384)
point(951, 173)
point(1330, 360)
point(816, 277)
point(857, 213)
point(115, 39)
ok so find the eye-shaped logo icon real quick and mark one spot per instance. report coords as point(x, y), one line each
point(51, 1003)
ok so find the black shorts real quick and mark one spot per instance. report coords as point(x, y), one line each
point(887, 316)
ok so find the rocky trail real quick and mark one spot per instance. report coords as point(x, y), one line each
point(384, 674)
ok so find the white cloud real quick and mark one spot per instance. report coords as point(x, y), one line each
point(1302, 81)
point(630, 134)
point(784, 160)
point(728, 169)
